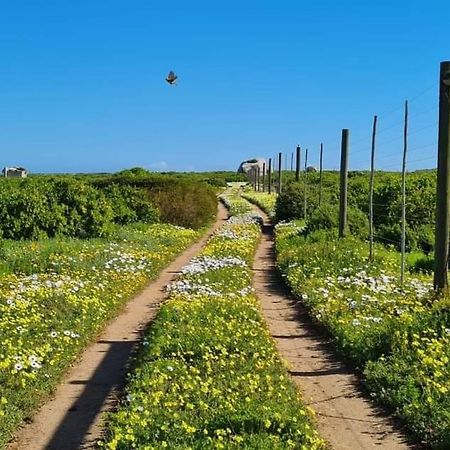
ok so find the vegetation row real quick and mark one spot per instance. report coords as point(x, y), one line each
point(208, 374)
point(86, 207)
point(387, 204)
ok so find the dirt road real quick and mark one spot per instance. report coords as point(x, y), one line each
point(346, 419)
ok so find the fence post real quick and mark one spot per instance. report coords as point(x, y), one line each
point(405, 148)
point(269, 177)
point(320, 174)
point(443, 181)
point(279, 171)
point(343, 184)
point(305, 206)
point(264, 177)
point(372, 174)
point(297, 164)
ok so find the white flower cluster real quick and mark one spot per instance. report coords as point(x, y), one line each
point(185, 286)
point(382, 284)
point(32, 361)
point(125, 262)
point(203, 264)
point(246, 219)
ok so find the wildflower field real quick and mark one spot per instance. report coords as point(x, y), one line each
point(208, 374)
point(57, 294)
point(399, 336)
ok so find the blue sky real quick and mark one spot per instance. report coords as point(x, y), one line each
point(82, 83)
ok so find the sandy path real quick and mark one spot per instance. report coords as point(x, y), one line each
point(73, 418)
point(346, 419)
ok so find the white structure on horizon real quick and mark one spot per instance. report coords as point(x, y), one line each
point(15, 172)
point(250, 164)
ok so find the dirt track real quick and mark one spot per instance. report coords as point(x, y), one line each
point(73, 418)
point(346, 419)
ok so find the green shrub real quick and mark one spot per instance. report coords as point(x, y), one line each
point(327, 218)
point(290, 202)
point(421, 238)
point(181, 201)
point(185, 204)
point(420, 262)
point(29, 211)
point(130, 204)
point(87, 210)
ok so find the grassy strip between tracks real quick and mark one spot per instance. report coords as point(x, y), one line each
point(208, 374)
point(264, 200)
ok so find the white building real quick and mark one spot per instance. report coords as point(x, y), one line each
point(15, 172)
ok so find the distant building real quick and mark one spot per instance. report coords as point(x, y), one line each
point(15, 172)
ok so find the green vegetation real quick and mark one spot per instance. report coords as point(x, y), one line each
point(208, 374)
point(397, 335)
point(181, 200)
point(264, 200)
point(88, 206)
point(57, 294)
point(420, 203)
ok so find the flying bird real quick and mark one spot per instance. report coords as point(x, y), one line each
point(171, 78)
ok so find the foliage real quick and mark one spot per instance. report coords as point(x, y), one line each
point(180, 200)
point(134, 172)
point(390, 331)
point(35, 208)
point(130, 204)
point(420, 203)
point(327, 218)
point(290, 203)
point(57, 294)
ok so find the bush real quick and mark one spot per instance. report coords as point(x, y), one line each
point(180, 200)
point(420, 263)
point(185, 204)
point(358, 223)
point(327, 218)
point(29, 211)
point(323, 218)
point(291, 202)
point(47, 207)
point(420, 238)
point(130, 204)
point(87, 210)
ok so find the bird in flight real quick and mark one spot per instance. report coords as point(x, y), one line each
point(171, 78)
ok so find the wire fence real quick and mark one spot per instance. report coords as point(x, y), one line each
point(391, 140)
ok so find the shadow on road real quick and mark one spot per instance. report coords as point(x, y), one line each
point(72, 433)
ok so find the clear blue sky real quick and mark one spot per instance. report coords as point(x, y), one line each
point(82, 82)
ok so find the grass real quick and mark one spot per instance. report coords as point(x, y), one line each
point(264, 200)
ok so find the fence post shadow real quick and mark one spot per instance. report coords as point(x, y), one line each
point(108, 378)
